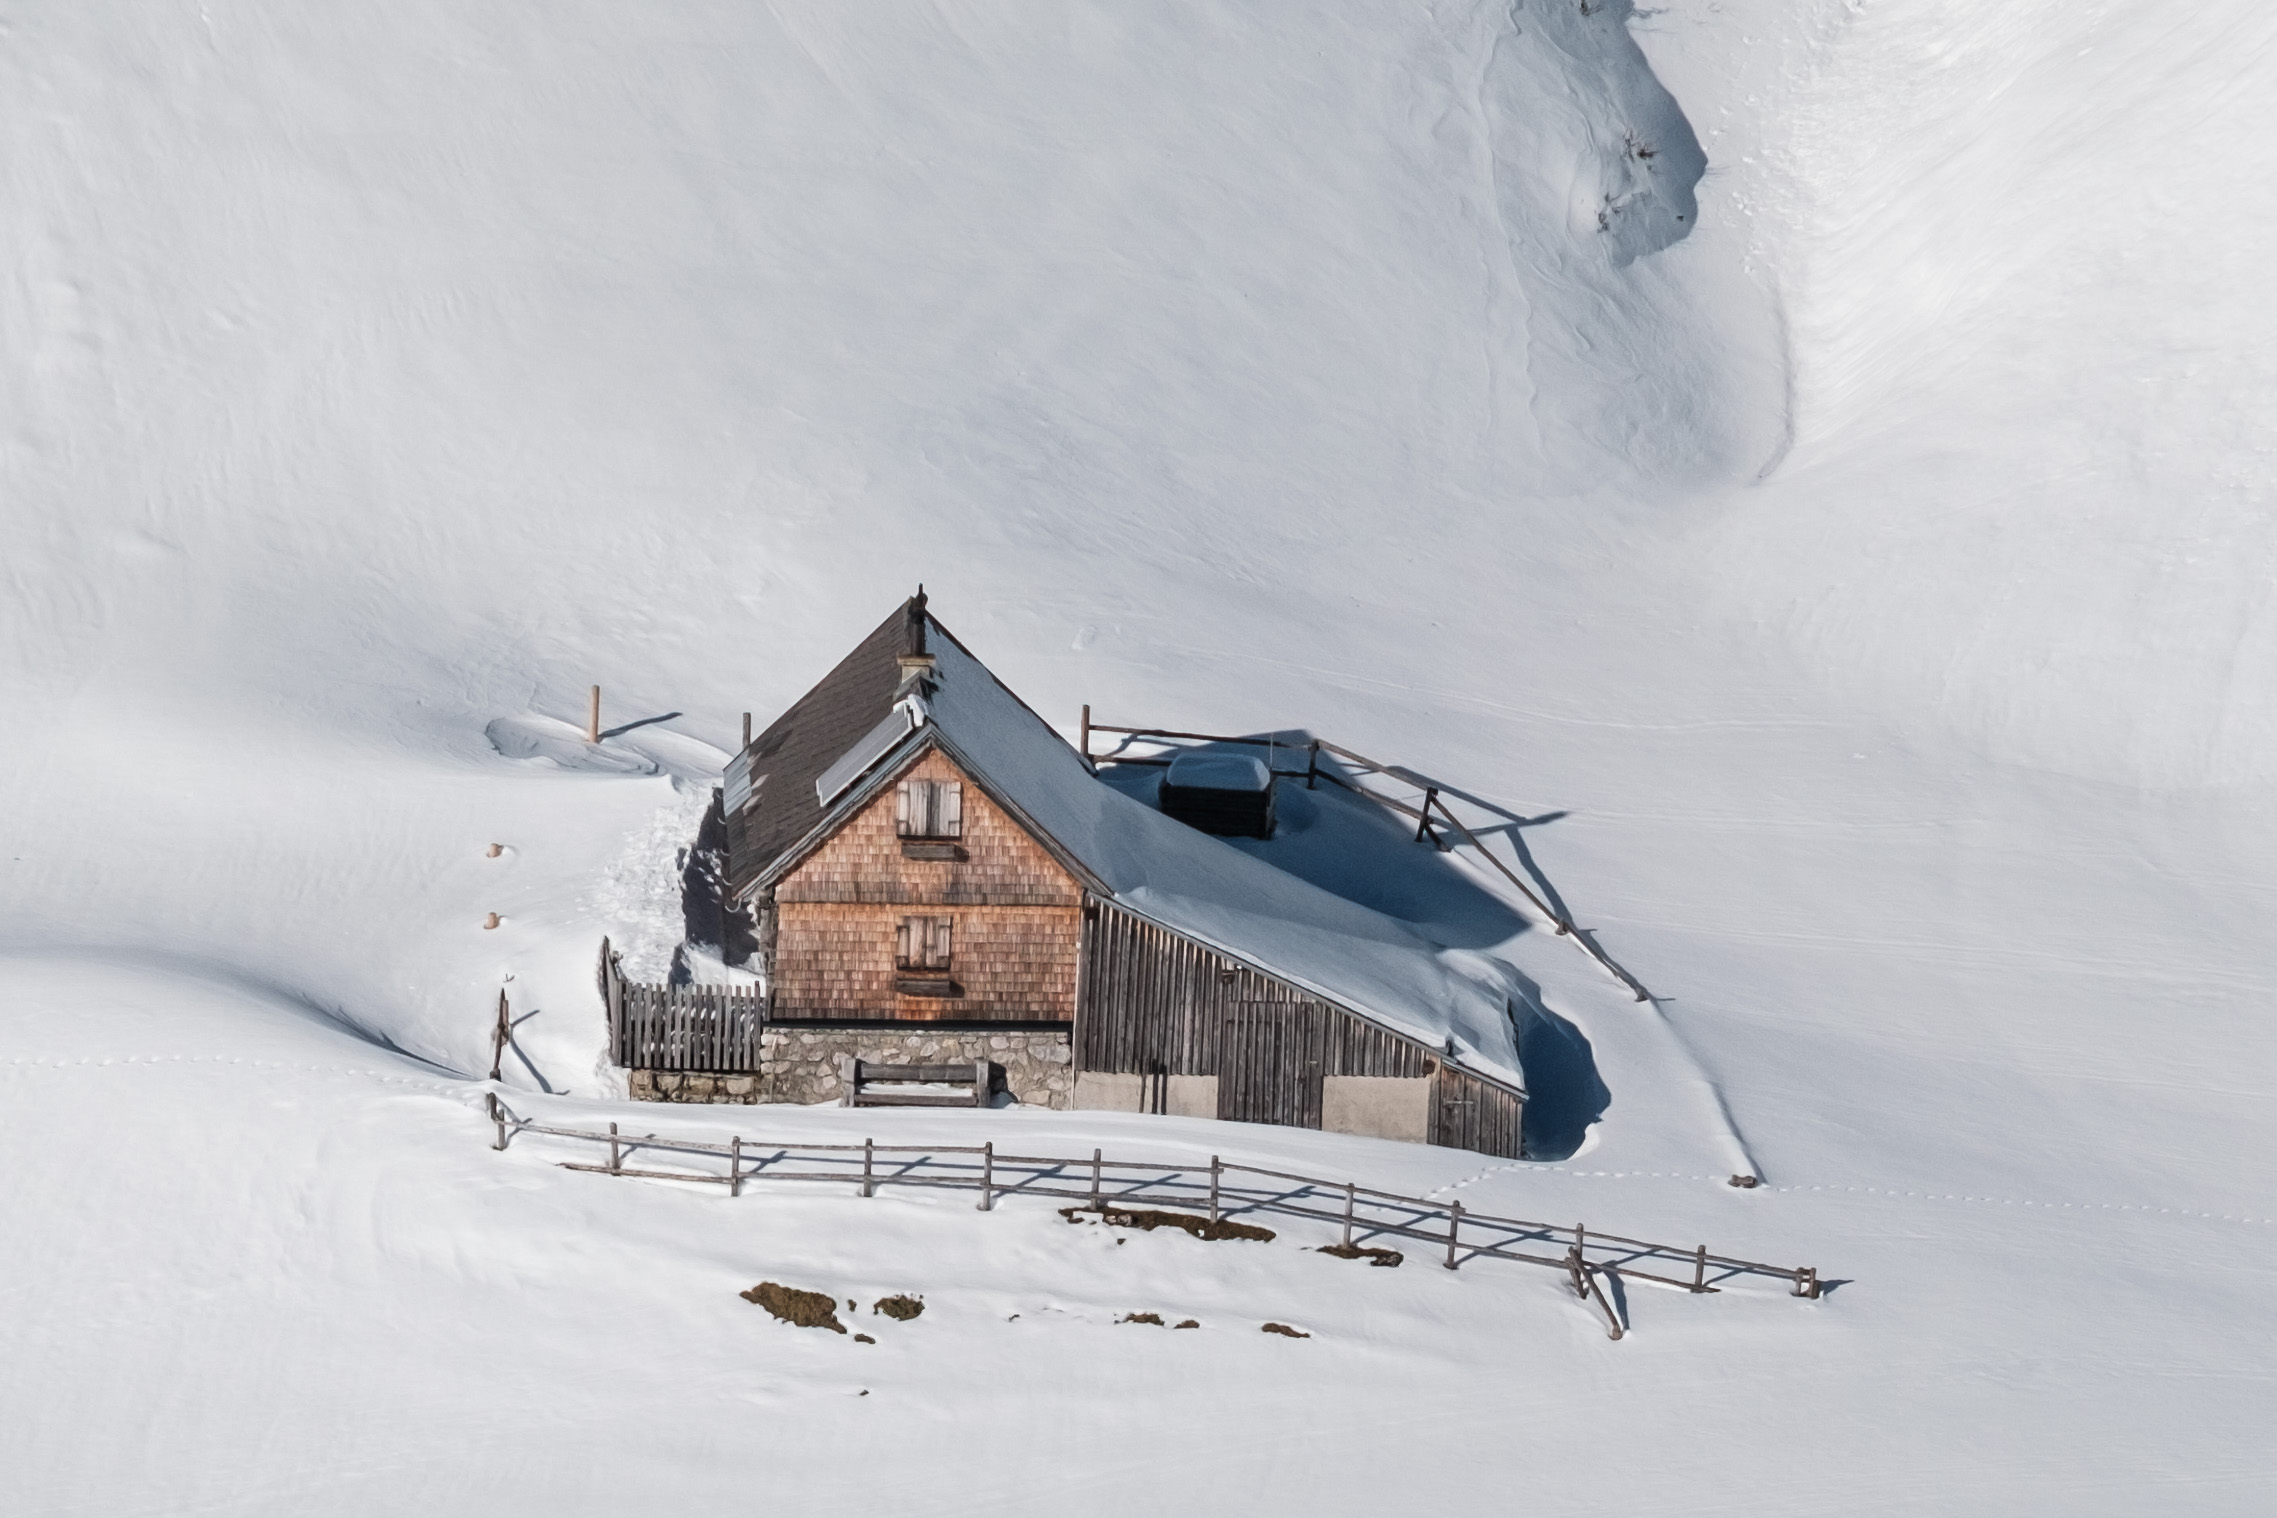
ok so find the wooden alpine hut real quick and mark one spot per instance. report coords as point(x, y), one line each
point(939, 883)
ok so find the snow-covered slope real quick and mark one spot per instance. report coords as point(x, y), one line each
point(1865, 578)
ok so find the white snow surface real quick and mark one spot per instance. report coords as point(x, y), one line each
point(1856, 565)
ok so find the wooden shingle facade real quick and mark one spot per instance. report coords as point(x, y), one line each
point(845, 916)
point(888, 836)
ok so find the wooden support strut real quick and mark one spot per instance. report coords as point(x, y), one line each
point(499, 1036)
point(1613, 1328)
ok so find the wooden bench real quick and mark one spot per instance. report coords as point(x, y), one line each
point(869, 1083)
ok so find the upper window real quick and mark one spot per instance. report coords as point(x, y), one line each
point(930, 809)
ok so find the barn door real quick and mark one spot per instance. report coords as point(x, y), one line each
point(1269, 1064)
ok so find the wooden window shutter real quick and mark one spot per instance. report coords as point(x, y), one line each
point(903, 806)
point(939, 959)
point(949, 810)
point(902, 945)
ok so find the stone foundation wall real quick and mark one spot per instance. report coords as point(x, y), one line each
point(678, 1086)
point(801, 1065)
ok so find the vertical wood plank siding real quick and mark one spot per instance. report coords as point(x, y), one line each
point(1274, 1053)
point(1152, 1002)
point(707, 1028)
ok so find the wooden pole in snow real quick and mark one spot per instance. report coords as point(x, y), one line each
point(593, 718)
point(1086, 732)
point(746, 730)
point(498, 1037)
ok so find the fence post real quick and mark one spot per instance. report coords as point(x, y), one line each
point(1214, 1168)
point(1348, 1194)
point(1096, 1204)
point(615, 1163)
point(735, 1164)
point(988, 1175)
point(869, 1186)
point(1454, 1228)
point(1700, 1269)
point(1806, 1282)
point(497, 1115)
point(1423, 816)
point(1573, 1268)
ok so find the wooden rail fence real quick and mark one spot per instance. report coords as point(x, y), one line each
point(1587, 1257)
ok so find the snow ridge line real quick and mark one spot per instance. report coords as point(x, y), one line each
point(443, 1086)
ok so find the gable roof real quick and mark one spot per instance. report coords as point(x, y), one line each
point(783, 763)
point(1149, 864)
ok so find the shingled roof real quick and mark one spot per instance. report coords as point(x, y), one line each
point(782, 763)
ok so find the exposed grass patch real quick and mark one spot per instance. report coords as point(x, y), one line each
point(864, 1339)
point(900, 1309)
point(801, 1309)
point(1148, 1219)
point(1141, 1317)
point(1285, 1331)
point(1187, 1323)
point(1378, 1257)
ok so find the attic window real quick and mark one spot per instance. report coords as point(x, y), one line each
point(921, 956)
point(930, 809)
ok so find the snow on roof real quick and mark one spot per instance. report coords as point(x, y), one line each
point(1210, 891)
point(871, 747)
point(1220, 772)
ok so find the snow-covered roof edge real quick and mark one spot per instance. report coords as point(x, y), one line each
point(1217, 895)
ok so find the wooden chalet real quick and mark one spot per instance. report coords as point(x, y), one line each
point(937, 879)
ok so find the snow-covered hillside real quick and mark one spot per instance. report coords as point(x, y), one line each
point(1816, 456)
